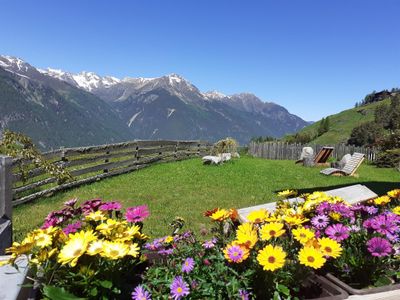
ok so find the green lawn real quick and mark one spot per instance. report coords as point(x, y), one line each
point(188, 188)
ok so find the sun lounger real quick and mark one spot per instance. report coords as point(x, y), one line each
point(349, 168)
point(321, 157)
point(211, 160)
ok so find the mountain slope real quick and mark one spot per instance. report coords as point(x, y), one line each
point(172, 107)
point(54, 113)
point(342, 124)
point(167, 107)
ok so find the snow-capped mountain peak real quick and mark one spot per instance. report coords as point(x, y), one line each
point(214, 95)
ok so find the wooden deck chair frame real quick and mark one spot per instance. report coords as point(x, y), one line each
point(350, 167)
point(322, 156)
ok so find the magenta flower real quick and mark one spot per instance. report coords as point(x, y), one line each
point(244, 295)
point(379, 247)
point(320, 221)
point(71, 202)
point(338, 232)
point(109, 206)
point(72, 228)
point(137, 214)
point(91, 206)
point(188, 265)
point(179, 288)
point(140, 294)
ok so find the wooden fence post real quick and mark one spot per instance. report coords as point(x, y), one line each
point(5, 202)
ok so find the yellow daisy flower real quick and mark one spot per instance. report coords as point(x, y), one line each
point(383, 200)
point(303, 235)
point(335, 216)
point(114, 250)
point(72, 250)
point(271, 230)
point(95, 247)
point(271, 258)
point(295, 220)
point(134, 250)
point(220, 215)
point(168, 239)
point(258, 216)
point(396, 210)
point(330, 247)
point(311, 257)
point(394, 193)
point(287, 193)
point(43, 239)
point(246, 235)
point(96, 216)
point(106, 227)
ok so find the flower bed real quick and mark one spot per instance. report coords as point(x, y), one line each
point(97, 250)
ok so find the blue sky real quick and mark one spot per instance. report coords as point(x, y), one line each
point(313, 57)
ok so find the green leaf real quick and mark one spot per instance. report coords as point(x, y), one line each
point(283, 289)
point(106, 284)
point(384, 280)
point(276, 296)
point(93, 292)
point(56, 293)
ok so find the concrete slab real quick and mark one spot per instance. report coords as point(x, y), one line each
point(352, 194)
point(11, 280)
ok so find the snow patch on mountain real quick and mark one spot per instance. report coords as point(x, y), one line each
point(133, 118)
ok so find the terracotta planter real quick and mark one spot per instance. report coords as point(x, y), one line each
point(329, 291)
point(364, 291)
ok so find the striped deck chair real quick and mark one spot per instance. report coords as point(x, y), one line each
point(349, 168)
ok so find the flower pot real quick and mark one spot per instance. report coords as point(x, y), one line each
point(329, 290)
point(364, 291)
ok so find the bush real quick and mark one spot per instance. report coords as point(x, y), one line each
point(368, 133)
point(227, 145)
point(388, 159)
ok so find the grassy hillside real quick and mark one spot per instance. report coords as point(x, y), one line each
point(341, 124)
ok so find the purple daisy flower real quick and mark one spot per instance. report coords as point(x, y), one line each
point(244, 295)
point(338, 232)
point(371, 210)
point(179, 288)
point(137, 214)
point(320, 221)
point(188, 265)
point(109, 206)
point(379, 247)
point(384, 224)
point(166, 252)
point(210, 244)
point(323, 208)
point(140, 294)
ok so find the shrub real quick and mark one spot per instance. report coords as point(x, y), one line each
point(20, 146)
point(227, 145)
point(368, 133)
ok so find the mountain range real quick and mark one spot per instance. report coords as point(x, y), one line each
point(58, 108)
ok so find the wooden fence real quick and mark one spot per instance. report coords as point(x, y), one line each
point(85, 164)
point(281, 150)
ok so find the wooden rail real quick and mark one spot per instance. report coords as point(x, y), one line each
point(282, 150)
point(88, 164)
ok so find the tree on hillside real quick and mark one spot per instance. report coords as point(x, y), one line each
point(368, 133)
point(323, 126)
point(394, 118)
point(382, 111)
